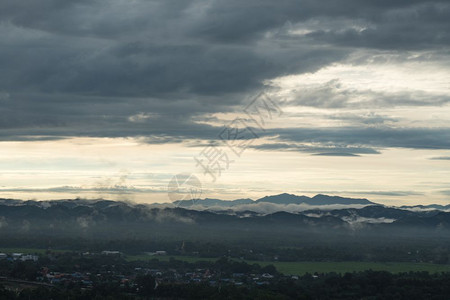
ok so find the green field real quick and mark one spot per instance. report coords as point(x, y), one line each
point(300, 268)
point(288, 268)
point(189, 259)
point(29, 250)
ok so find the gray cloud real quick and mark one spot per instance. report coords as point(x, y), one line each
point(87, 68)
point(366, 119)
point(323, 150)
point(333, 95)
point(109, 190)
point(377, 193)
point(378, 137)
point(418, 26)
point(232, 22)
point(390, 193)
point(342, 154)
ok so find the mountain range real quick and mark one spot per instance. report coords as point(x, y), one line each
point(282, 199)
point(82, 216)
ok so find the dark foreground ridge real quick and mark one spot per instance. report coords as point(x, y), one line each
point(104, 219)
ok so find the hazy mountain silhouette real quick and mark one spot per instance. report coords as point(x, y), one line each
point(282, 199)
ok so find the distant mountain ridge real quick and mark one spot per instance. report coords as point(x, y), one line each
point(281, 199)
point(90, 218)
point(208, 202)
point(430, 206)
point(318, 199)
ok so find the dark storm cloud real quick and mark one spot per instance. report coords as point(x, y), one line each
point(140, 69)
point(377, 137)
point(355, 141)
point(153, 68)
point(231, 20)
point(420, 26)
point(240, 22)
point(332, 95)
point(153, 56)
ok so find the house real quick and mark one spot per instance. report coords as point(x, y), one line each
point(17, 255)
point(107, 252)
point(29, 257)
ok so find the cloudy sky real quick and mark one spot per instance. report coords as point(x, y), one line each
point(113, 98)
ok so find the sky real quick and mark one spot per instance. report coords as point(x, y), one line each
point(113, 99)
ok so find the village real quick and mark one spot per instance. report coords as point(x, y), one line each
point(86, 270)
